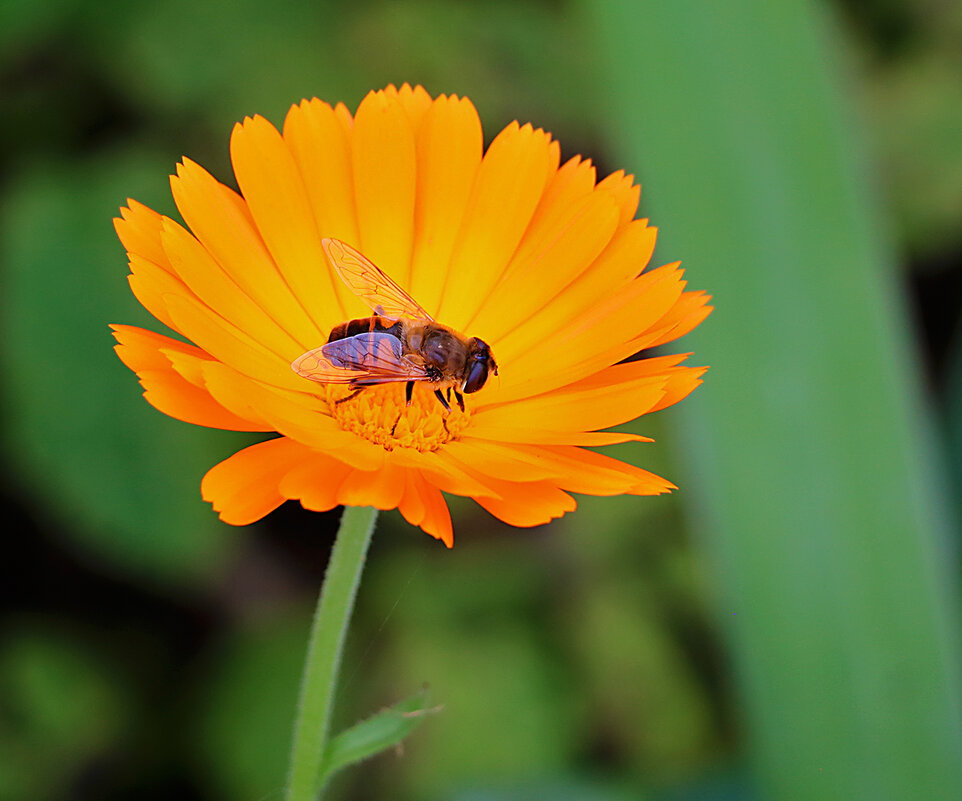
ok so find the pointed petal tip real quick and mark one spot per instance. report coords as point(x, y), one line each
point(186, 164)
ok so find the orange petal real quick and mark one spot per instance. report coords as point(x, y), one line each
point(228, 344)
point(690, 310)
point(631, 371)
point(247, 397)
point(442, 471)
point(384, 163)
point(679, 380)
point(244, 487)
point(449, 148)
point(422, 504)
point(495, 459)
point(321, 148)
point(191, 369)
point(564, 196)
point(344, 118)
point(272, 186)
point(151, 284)
point(625, 257)
point(564, 199)
point(220, 219)
point(529, 504)
point(574, 469)
point(643, 302)
point(437, 517)
point(381, 488)
point(297, 416)
point(532, 283)
point(596, 474)
point(168, 391)
point(315, 482)
point(575, 408)
point(625, 191)
point(509, 184)
point(602, 359)
point(539, 436)
point(415, 101)
point(289, 414)
point(586, 344)
point(412, 505)
point(212, 286)
point(573, 181)
point(138, 228)
point(681, 383)
point(140, 349)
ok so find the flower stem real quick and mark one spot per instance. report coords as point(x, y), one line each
point(328, 631)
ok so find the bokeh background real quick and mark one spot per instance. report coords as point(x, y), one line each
point(783, 627)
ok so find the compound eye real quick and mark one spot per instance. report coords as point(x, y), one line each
point(477, 375)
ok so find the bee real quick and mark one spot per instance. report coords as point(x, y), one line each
point(400, 343)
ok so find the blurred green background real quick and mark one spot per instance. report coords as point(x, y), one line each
point(783, 627)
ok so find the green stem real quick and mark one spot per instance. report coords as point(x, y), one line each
point(328, 631)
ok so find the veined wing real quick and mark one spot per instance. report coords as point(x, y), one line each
point(371, 284)
point(362, 360)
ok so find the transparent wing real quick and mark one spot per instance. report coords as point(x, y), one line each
point(370, 283)
point(362, 360)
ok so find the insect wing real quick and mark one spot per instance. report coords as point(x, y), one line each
point(317, 367)
point(371, 284)
point(362, 360)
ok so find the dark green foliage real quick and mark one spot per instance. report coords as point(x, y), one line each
point(788, 616)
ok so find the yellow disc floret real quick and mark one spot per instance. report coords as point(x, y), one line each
point(380, 414)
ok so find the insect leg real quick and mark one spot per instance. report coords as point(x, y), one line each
point(444, 403)
point(460, 399)
point(354, 394)
point(408, 391)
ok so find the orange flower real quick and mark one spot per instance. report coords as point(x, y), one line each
point(538, 260)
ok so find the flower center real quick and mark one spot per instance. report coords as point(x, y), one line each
point(381, 415)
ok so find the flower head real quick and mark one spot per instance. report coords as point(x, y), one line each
point(540, 261)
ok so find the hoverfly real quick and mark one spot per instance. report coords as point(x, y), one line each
point(400, 343)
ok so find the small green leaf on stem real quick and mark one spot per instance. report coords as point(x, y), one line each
point(375, 734)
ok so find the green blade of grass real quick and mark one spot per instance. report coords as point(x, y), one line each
point(813, 483)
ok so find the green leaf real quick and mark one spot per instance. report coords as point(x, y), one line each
point(952, 413)
point(90, 453)
point(813, 482)
point(375, 734)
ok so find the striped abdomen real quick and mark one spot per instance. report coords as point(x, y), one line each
point(364, 325)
